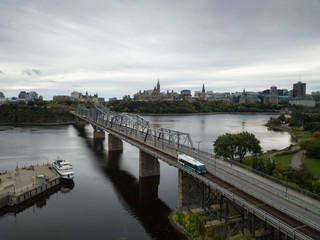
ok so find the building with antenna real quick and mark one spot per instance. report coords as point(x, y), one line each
point(299, 90)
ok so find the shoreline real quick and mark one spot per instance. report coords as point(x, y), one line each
point(204, 113)
point(285, 129)
point(37, 124)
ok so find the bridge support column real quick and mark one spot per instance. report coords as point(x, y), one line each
point(191, 193)
point(148, 165)
point(79, 122)
point(114, 143)
point(99, 134)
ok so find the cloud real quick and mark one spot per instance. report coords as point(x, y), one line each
point(36, 71)
point(27, 71)
point(31, 72)
point(125, 46)
point(1, 72)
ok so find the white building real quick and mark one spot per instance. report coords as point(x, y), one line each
point(306, 101)
point(76, 95)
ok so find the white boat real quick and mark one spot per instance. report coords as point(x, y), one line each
point(64, 169)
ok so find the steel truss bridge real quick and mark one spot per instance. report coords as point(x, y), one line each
point(293, 215)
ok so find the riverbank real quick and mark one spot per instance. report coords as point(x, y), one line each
point(204, 113)
point(178, 226)
point(25, 124)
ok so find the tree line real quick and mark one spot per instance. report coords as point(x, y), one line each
point(33, 112)
point(195, 106)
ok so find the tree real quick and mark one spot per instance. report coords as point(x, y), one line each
point(312, 145)
point(230, 145)
point(225, 145)
point(247, 142)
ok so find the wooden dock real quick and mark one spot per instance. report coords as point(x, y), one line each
point(25, 183)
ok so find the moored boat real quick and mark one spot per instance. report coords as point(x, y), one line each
point(64, 169)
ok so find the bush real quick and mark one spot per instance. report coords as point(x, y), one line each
point(193, 223)
point(312, 146)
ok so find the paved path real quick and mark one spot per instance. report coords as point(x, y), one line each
point(296, 159)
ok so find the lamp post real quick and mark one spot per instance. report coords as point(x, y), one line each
point(198, 147)
point(215, 160)
point(285, 173)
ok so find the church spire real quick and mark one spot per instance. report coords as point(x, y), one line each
point(158, 86)
point(203, 94)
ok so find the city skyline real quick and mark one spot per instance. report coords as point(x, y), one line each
point(116, 48)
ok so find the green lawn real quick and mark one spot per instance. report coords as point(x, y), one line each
point(313, 165)
point(248, 160)
point(284, 159)
point(301, 134)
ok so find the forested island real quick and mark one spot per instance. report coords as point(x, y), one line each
point(195, 106)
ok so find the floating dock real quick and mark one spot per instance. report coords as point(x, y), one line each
point(25, 183)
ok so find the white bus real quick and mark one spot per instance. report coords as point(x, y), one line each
point(191, 164)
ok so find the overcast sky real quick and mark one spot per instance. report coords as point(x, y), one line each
point(116, 47)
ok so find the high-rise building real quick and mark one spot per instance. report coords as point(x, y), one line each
point(274, 90)
point(299, 90)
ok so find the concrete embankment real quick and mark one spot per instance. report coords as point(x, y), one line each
point(25, 183)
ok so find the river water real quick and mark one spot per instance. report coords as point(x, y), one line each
point(108, 200)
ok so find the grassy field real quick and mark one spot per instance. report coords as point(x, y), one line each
point(312, 164)
point(285, 157)
point(301, 134)
point(248, 160)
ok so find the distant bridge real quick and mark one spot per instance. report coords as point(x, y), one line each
point(291, 214)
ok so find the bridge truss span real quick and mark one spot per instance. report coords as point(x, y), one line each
point(135, 126)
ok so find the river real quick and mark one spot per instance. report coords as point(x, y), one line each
point(108, 200)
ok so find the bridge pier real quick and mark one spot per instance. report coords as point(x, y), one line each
point(79, 122)
point(97, 133)
point(190, 192)
point(114, 143)
point(148, 165)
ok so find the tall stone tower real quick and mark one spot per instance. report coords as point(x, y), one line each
point(203, 94)
point(158, 87)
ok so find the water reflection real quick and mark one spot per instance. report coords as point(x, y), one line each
point(66, 187)
point(138, 196)
point(39, 201)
